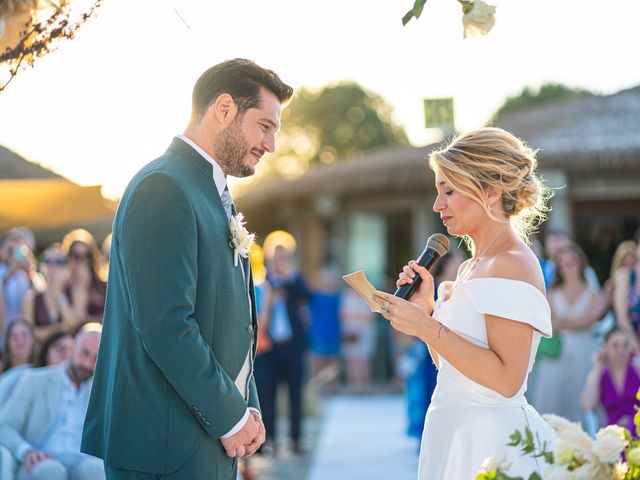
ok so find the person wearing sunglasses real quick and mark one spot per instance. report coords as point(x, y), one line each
point(84, 286)
point(49, 308)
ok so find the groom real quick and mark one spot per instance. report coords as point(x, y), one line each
point(173, 393)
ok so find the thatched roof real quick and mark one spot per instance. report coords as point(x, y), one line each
point(13, 166)
point(402, 168)
point(588, 134)
point(48, 203)
point(584, 136)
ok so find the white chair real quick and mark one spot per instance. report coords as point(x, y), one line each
point(7, 464)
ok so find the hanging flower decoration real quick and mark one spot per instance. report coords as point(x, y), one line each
point(478, 17)
point(29, 29)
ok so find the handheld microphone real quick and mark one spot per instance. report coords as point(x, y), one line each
point(437, 246)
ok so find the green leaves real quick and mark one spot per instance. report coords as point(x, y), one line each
point(416, 11)
point(516, 438)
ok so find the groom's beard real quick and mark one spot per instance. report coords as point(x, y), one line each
point(232, 150)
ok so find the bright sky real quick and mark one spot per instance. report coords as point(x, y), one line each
point(110, 101)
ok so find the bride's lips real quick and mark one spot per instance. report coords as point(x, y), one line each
point(445, 219)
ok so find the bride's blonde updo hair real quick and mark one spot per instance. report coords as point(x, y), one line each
point(492, 157)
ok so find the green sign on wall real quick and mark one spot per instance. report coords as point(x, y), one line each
point(438, 113)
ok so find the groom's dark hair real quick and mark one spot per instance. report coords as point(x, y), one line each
point(242, 80)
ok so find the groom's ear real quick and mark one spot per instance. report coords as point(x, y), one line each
point(224, 109)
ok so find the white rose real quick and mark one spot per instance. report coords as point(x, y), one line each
point(479, 20)
point(556, 472)
point(634, 456)
point(491, 464)
point(610, 442)
point(563, 452)
point(619, 471)
point(590, 471)
point(571, 433)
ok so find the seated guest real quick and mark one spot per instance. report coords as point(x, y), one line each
point(19, 346)
point(41, 422)
point(614, 381)
point(56, 348)
point(49, 308)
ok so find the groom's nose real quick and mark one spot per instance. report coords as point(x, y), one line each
point(269, 143)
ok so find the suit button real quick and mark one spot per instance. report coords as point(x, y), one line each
point(250, 329)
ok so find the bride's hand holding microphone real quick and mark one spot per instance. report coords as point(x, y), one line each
point(409, 317)
point(409, 309)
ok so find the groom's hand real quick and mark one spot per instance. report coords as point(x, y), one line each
point(260, 438)
point(236, 444)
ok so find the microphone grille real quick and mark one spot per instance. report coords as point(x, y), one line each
point(439, 243)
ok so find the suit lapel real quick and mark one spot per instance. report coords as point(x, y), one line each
point(54, 396)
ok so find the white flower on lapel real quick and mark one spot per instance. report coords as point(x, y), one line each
point(239, 238)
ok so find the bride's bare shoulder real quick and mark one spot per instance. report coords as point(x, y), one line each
point(463, 266)
point(518, 264)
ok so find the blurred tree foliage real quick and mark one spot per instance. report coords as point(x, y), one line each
point(321, 127)
point(529, 97)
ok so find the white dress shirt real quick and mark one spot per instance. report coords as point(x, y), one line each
point(242, 380)
point(66, 433)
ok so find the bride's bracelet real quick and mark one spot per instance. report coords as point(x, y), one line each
point(441, 328)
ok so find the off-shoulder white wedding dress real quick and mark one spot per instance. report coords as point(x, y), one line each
point(467, 422)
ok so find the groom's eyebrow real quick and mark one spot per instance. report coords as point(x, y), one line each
point(270, 122)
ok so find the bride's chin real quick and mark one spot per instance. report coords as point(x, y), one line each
point(451, 230)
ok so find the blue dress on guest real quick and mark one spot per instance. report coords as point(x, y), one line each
point(420, 386)
point(324, 332)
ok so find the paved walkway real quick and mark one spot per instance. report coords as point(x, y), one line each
point(351, 438)
point(362, 438)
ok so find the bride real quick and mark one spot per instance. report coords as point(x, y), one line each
point(484, 330)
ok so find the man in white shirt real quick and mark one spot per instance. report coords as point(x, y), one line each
point(41, 423)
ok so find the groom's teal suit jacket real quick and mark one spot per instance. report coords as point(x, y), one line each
point(178, 324)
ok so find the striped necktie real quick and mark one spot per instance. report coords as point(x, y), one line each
point(227, 202)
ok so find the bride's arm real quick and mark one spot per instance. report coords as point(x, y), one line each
point(501, 367)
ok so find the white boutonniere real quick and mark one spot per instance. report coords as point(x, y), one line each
point(239, 238)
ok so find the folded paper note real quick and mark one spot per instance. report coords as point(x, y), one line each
point(359, 282)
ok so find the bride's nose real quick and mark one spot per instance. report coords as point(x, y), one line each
point(439, 205)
